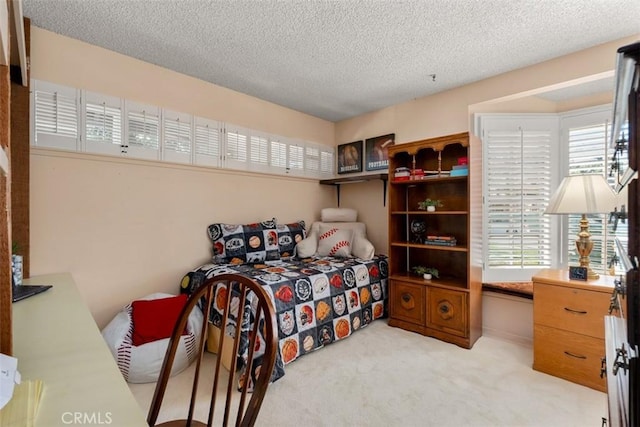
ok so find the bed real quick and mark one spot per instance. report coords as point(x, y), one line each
point(318, 299)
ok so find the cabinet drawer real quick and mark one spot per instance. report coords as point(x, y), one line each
point(574, 310)
point(568, 355)
point(447, 311)
point(407, 302)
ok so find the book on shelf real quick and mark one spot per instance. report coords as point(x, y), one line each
point(460, 172)
point(441, 242)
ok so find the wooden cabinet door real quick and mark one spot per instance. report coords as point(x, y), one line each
point(407, 302)
point(447, 311)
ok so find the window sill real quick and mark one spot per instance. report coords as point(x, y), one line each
point(518, 289)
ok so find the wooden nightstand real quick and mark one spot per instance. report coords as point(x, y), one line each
point(568, 326)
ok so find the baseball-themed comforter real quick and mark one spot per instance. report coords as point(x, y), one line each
point(317, 301)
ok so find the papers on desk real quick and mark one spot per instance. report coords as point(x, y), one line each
point(9, 377)
point(19, 401)
point(21, 411)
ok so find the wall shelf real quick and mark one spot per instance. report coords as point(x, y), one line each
point(337, 182)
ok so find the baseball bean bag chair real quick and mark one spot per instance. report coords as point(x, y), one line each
point(139, 334)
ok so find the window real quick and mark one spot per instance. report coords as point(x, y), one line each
point(177, 136)
point(143, 131)
point(295, 161)
point(259, 152)
point(103, 123)
point(236, 147)
point(326, 163)
point(55, 116)
point(518, 182)
point(587, 135)
point(278, 155)
point(78, 120)
point(207, 142)
point(524, 159)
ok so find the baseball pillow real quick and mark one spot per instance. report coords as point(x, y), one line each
point(334, 242)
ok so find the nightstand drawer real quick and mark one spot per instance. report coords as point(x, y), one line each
point(571, 309)
point(407, 302)
point(567, 355)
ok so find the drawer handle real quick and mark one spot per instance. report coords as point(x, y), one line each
point(406, 297)
point(575, 311)
point(577, 356)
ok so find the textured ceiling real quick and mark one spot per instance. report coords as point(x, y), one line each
point(339, 59)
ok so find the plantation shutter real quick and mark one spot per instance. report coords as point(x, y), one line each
point(207, 142)
point(79, 120)
point(55, 116)
point(295, 160)
point(326, 163)
point(517, 186)
point(236, 147)
point(177, 136)
point(278, 155)
point(312, 161)
point(103, 123)
point(590, 153)
point(259, 152)
point(143, 130)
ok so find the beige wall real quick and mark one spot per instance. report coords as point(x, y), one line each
point(126, 228)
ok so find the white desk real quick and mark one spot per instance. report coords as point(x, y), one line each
point(57, 341)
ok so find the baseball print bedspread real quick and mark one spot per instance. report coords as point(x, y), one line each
point(317, 300)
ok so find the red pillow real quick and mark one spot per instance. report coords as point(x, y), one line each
point(154, 319)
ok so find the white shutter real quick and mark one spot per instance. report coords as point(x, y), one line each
point(312, 160)
point(103, 123)
point(327, 162)
point(236, 146)
point(55, 115)
point(207, 142)
point(278, 159)
point(589, 152)
point(518, 178)
point(143, 130)
point(77, 120)
point(295, 160)
point(258, 152)
point(176, 136)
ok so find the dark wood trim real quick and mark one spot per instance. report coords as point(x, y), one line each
point(20, 136)
point(5, 219)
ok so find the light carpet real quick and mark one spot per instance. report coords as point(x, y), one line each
point(384, 376)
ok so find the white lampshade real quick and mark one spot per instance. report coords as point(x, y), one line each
point(582, 194)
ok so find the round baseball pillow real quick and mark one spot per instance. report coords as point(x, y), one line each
point(142, 363)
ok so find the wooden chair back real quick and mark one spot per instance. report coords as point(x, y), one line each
point(259, 307)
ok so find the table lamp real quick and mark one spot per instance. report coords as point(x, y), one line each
point(583, 194)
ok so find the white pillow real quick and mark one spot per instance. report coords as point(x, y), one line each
point(334, 242)
point(362, 248)
point(307, 247)
point(338, 215)
point(357, 227)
